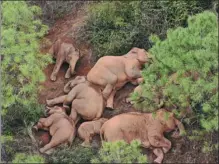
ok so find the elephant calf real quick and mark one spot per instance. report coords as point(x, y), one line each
point(88, 129)
point(60, 126)
point(145, 127)
point(64, 51)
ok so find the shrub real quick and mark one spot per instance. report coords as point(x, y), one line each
point(52, 10)
point(120, 152)
point(76, 154)
point(114, 27)
point(25, 158)
point(184, 74)
point(22, 62)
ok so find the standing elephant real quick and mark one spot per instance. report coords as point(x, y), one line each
point(85, 98)
point(112, 72)
point(146, 127)
point(64, 51)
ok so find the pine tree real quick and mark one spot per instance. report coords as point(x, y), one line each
point(22, 62)
point(184, 74)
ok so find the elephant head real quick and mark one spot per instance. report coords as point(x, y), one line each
point(72, 83)
point(169, 122)
point(140, 54)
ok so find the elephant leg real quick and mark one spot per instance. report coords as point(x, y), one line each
point(56, 140)
point(160, 141)
point(159, 153)
point(111, 99)
point(57, 100)
point(69, 98)
point(68, 73)
point(167, 148)
point(107, 91)
point(57, 67)
point(74, 114)
point(109, 87)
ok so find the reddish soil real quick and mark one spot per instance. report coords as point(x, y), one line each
point(183, 150)
point(64, 28)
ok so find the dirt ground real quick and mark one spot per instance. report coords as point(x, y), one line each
point(183, 150)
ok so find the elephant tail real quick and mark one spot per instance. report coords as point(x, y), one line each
point(102, 134)
point(72, 137)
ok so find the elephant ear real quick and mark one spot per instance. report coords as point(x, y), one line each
point(142, 56)
point(134, 50)
point(132, 53)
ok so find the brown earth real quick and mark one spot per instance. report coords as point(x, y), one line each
point(183, 150)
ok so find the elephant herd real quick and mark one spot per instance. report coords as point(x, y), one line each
point(86, 97)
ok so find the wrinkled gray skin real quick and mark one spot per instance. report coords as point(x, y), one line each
point(86, 100)
point(112, 72)
point(64, 52)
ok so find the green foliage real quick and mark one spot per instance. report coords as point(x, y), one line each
point(24, 158)
point(113, 28)
point(184, 74)
point(120, 152)
point(76, 154)
point(22, 62)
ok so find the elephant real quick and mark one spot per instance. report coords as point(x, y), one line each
point(112, 72)
point(85, 98)
point(64, 51)
point(60, 126)
point(146, 127)
point(88, 129)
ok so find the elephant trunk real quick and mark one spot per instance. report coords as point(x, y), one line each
point(181, 127)
point(72, 63)
point(67, 87)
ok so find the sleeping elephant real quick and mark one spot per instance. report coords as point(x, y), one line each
point(88, 129)
point(85, 98)
point(64, 51)
point(146, 127)
point(112, 72)
point(60, 126)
